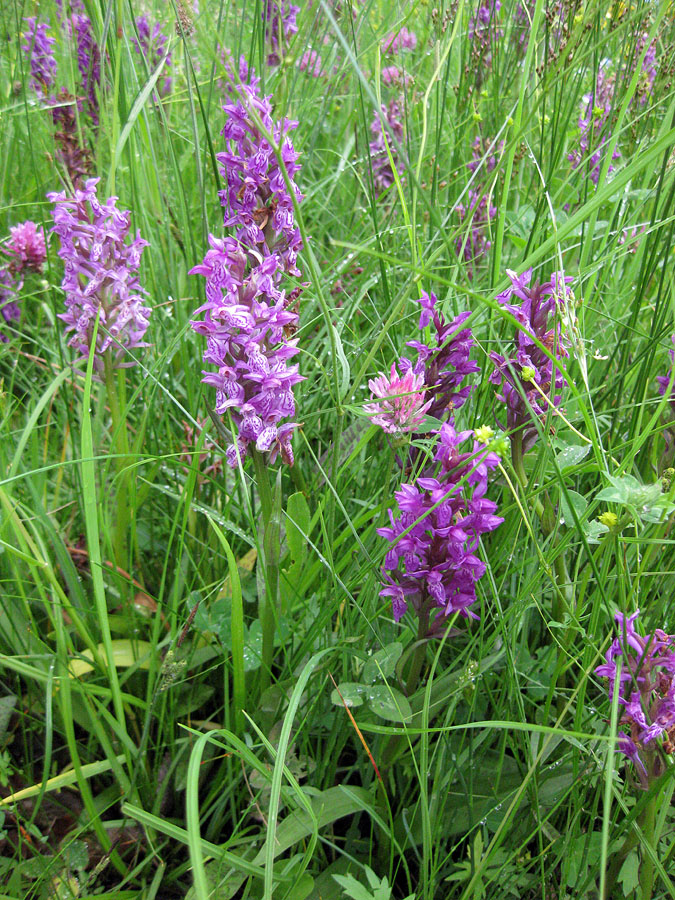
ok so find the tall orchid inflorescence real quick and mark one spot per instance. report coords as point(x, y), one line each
point(280, 20)
point(642, 670)
point(88, 62)
point(432, 563)
point(152, 44)
point(68, 113)
point(248, 319)
point(38, 48)
point(528, 385)
point(484, 33)
point(479, 211)
point(380, 158)
point(594, 126)
point(100, 276)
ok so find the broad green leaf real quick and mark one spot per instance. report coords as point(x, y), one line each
point(389, 704)
point(569, 502)
point(352, 694)
point(383, 663)
point(572, 455)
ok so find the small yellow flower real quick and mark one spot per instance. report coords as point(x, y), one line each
point(610, 519)
point(527, 373)
point(484, 434)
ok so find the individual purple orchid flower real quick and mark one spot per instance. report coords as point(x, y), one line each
point(642, 670)
point(100, 276)
point(248, 319)
point(528, 386)
point(38, 48)
point(431, 564)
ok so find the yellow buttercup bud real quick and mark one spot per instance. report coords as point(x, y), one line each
point(610, 519)
point(484, 434)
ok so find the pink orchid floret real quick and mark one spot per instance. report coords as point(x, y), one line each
point(402, 407)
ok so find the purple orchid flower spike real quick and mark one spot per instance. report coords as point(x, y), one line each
point(642, 670)
point(527, 384)
point(249, 320)
point(100, 275)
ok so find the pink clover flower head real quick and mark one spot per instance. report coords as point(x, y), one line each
point(401, 407)
point(642, 670)
point(310, 61)
point(249, 320)
point(393, 75)
point(38, 48)
point(432, 563)
point(26, 247)
point(526, 381)
point(100, 275)
point(396, 41)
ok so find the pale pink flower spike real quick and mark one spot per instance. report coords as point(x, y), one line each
point(401, 408)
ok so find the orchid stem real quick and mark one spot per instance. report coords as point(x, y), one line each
point(267, 603)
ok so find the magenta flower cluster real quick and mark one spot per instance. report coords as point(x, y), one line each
point(25, 251)
point(527, 383)
point(100, 276)
point(642, 670)
point(434, 538)
point(248, 319)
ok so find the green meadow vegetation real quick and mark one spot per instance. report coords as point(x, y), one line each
point(391, 651)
